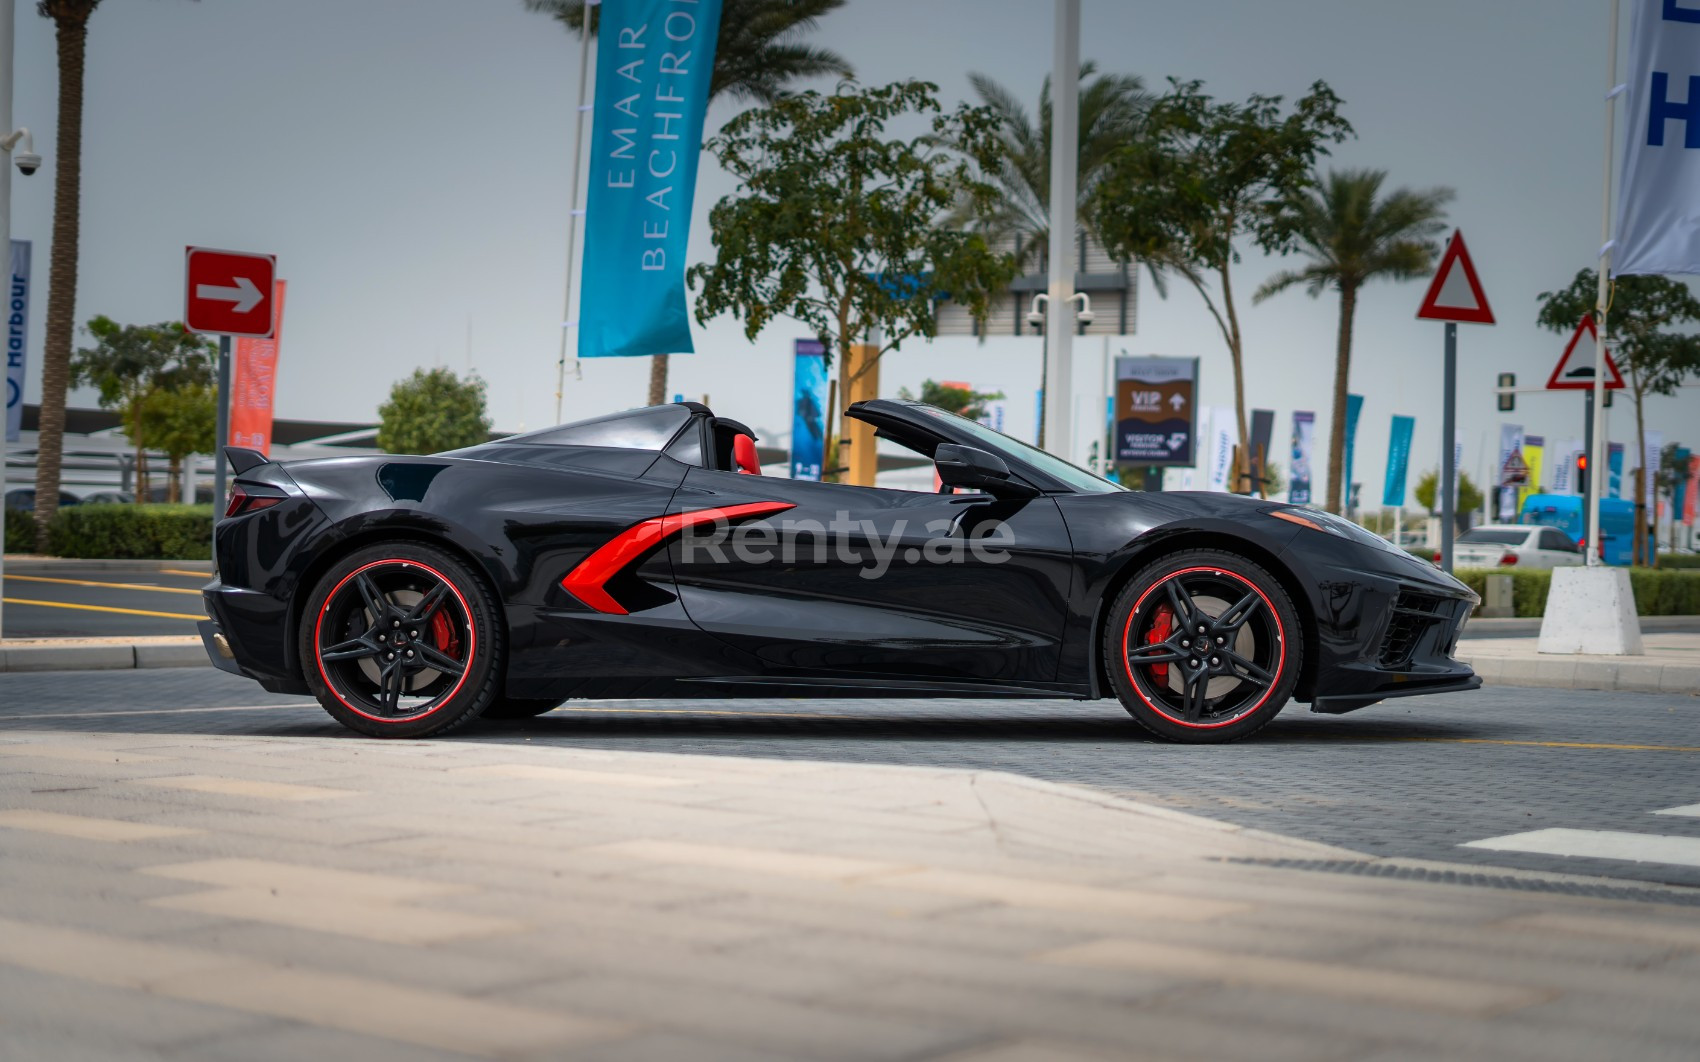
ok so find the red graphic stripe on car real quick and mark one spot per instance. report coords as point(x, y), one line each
point(588, 580)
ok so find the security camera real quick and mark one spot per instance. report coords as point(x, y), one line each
point(1035, 318)
point(1085, 317)
point(27, 161)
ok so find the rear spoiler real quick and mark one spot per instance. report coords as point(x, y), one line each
point(242, 459)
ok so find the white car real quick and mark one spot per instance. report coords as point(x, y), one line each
point(1515, 546)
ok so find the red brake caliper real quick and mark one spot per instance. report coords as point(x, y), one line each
point(1161, 625)
point(443, 634)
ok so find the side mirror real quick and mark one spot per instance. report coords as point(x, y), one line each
point(975, 469)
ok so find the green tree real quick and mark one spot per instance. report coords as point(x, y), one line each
point(837, 226)
point(758, 53)
point(180, 422)
point(963, 401)
point(1468, 501)
point(1205, 176)
point(433, 411)
point(132, 365)
point(1644, 319)
point(1111, 109)
point(1352, 235)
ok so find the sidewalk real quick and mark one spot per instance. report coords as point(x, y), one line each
point(194, 897)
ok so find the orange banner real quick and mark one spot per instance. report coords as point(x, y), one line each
point(254, 383)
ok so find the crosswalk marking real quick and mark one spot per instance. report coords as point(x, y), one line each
point(1600, 844)
point(1691, 810)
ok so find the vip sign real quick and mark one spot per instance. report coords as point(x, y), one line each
point(1155, 412)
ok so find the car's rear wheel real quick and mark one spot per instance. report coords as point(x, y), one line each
point(402, 640)
point(1203, 646)
point(521, 708)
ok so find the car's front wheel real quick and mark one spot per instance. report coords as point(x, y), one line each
point(402, 640)
point(1203, 646)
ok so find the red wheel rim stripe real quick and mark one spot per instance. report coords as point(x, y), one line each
point(1280, 640)
point(588, 579)
point(471, 641)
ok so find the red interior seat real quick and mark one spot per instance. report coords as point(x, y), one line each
point(744, 453)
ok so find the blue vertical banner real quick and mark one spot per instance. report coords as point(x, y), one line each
point(1660, 198)
point(1398, 462)
point(1614, 469)
point(17, 336)
point(1354, 406)
point(654, 59)
point(808, 410)
point(1679, 495)
point(1298, 476)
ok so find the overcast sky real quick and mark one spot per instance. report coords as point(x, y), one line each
point(407, 161)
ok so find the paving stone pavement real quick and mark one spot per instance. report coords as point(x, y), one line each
point(208, 896)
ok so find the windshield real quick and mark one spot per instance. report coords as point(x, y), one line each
point(1488, 537)
point(1077, 479)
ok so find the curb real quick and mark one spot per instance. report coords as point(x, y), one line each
point(30, 562)
point(104, 656)
point(1509, 626)
point(1616, 674)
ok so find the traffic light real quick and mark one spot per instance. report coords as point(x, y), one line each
point(1582, 483)
point(1507, 397)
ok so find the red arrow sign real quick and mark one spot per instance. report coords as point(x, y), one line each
point(229, 292)
point(1455, 294)
point(1574, 373)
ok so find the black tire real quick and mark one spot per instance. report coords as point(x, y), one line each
point(1222, 684)
point(402, 640)
point(521, 708)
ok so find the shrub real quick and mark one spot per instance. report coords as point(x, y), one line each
point(20, 531)
point(1678, 560)
point(163, 532)
point(1657, 592)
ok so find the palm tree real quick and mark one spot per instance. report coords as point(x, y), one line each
point(70, 23)
point(757, 54)
point(1352, 236)
point(1111, 108)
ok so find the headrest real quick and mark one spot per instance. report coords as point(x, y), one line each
point(744, 453)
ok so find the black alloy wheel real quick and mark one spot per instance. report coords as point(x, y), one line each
point(402, 640)
point(1203, 646)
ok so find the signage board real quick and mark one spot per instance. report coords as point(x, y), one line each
point(1156, 411)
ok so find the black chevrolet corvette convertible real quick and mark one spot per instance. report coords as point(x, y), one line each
point(643, 554)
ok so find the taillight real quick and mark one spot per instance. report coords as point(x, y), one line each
point(1437, 556)
point(242, 502)
point(1507, 559)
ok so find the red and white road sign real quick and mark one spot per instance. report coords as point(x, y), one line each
point(1575, 368)
point(1455, 294)
point(229, 292)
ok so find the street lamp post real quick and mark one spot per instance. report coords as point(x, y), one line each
point(1065, 162)
point(1036, 317)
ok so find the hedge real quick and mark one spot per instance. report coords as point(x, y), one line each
point(20, 531)
point(163, 532)
point(1678, 560)
point(1658, 591)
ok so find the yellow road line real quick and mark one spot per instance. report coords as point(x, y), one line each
point(1544, 744)
point(181, 571)
point(708, 711)
point(104, 608)
point(114, 586)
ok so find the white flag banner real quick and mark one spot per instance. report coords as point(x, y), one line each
point(1658, 204)
point(1224, 434)
point(1650, 462)
point(1564, 466)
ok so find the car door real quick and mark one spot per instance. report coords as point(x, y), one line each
point(1557, 550)
point(824, 579)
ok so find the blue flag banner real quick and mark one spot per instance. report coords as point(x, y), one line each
point(1658, 207)
point(1298, 475)
point(1354, 406)
point(1398, 462)
point(1614, 470)
point(654, 58)
point(17, 325)
point(1679, 497)
point(808, 410)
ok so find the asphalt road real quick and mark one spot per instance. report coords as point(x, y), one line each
point(1418, 778)
point(103, 604)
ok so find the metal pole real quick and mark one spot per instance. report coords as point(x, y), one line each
point(573, 211)
point(1448, 447)
point(223, 426)
point(1065, 151)
point(1596, 450)
point(6, 9)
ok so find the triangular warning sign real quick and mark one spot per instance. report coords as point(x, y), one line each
point(1575, 369)
point(1455, 294)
